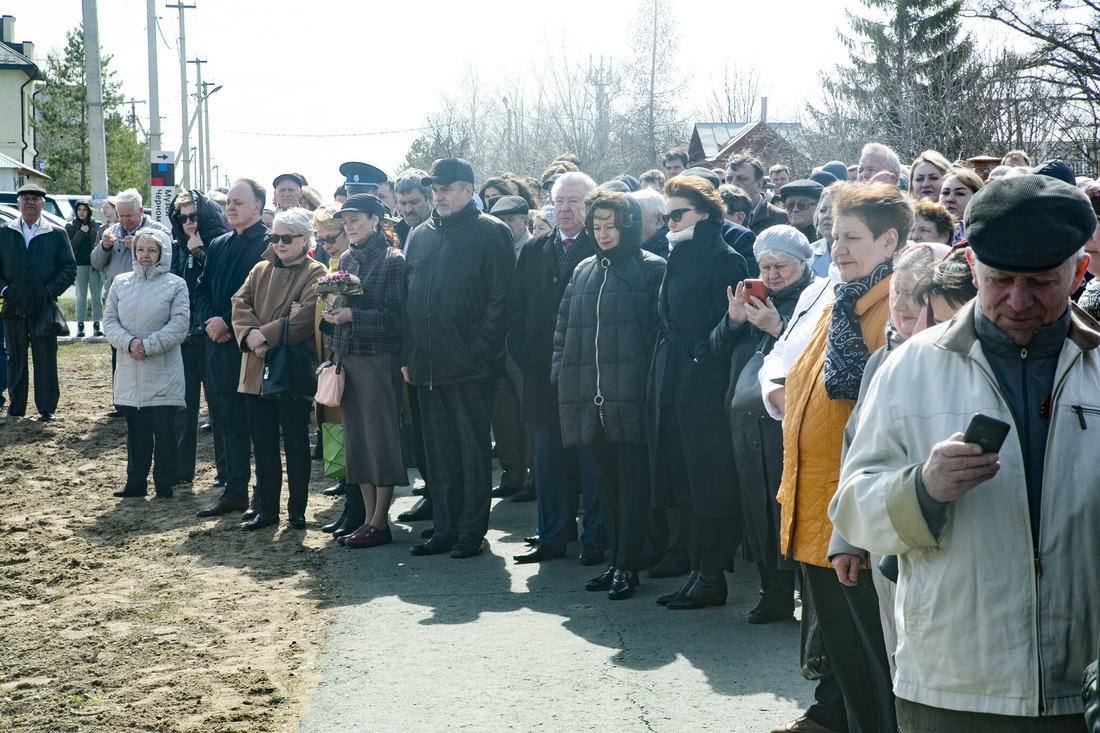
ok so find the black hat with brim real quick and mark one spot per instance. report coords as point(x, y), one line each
point(361, 177)
point(366, 203)
point(804, 187)
point(448, 170)
point(509, 205)
point(296, 177)
point(1028, 223)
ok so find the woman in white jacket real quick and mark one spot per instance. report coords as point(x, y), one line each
point(146, 318)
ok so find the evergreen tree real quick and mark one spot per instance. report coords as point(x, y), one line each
point(906, 67)
point(61, 125)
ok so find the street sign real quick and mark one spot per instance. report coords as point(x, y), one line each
point(162, 182)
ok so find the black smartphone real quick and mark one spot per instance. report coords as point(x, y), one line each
point(987, 432)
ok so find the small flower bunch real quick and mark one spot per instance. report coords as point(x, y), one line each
point(335, 287)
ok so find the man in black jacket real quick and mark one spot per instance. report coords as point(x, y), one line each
point(748, 173)
point(229, 259)
point(542, 273)
point(458, 269)
point(36, 266)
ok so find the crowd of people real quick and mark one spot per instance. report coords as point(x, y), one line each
point(815, 373)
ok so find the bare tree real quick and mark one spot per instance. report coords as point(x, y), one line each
point(736, 99)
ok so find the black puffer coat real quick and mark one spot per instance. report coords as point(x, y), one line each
point(188, 264)
point(603, 344)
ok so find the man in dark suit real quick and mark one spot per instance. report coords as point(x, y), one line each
point(36, 266)
point(545, 265)
point(229, 259)
point(748, 173)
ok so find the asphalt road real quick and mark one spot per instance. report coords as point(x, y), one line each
point(484, 644)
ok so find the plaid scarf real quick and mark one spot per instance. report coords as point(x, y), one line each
point(845, 352)
point(568, 260)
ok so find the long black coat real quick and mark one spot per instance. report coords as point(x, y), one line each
point(537, 289)
point(688, 381)
point(757, 442)
point(604, 340)
point(188, 264)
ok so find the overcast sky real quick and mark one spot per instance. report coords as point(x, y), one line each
point(309, 85)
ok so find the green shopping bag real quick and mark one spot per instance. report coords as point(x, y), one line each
point(332, 441)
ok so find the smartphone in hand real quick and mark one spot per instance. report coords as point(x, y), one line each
point(987, 432)
point(755, 289)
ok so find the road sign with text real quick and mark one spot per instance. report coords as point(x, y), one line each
point(162, 182)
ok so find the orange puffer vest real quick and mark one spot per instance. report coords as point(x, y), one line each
point(813, 431)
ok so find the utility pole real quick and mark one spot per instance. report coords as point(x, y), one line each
point(198, 113)
point(601, 79)
point(211, 182)
point(97, 141)
point(154, 98)
point(185, 145)
point(133, 121)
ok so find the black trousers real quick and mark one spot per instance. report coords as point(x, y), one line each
point(514, 442)
point(419, 450)
point(150, 430)
point(17, 337)
point(622, 481)
point(216, 430)
point(187, 419)
point(267, 418)
point(456, 420)
point(916, 718)
point(852, 633)
point(233, 410)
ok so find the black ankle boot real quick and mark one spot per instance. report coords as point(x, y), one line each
point(708, 590)
point(622, 585)
point(355, 512)
point(96, 330)
point(691, 578)
point(80, 330)
point(330, 528)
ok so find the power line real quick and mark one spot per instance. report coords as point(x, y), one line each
point(345, 134)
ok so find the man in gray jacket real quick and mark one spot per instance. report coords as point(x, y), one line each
point(997, 610)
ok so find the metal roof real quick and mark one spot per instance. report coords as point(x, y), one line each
point(6, 162)
point(12, 59)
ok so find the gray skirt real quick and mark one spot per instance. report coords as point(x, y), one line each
point(371, 418)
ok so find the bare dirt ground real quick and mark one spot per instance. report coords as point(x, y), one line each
point(133, 614)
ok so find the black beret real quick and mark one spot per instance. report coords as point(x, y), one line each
point(810, 189)
point(1056, 169)
point(1028, 223)
point(705, 173)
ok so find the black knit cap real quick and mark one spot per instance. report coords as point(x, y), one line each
point(366, 203)
point(1028, 223)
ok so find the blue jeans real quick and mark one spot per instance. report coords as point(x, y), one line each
point(556, 467)
point(89, 278)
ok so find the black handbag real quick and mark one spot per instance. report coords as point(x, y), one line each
point(747, 398)
point(289, 371)
point(51, 321)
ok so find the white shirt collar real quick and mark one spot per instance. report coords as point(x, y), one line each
point(29, 231)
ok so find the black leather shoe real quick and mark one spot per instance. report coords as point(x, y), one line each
point(539, 553)
point(438, 544)
point(708, 590)
point(351, 523)
point(468, 545)
point(665, 600)
point(592, 554)
point(129, 493)
point(503, 491)
point(224, 506)
point(421, 490)
point(205, 427)
point(114, 413)
point(670, 567)
point(219, 482)
point(527, 493)
point(260, 521)
point(421, 511)
point(426, 534)
point(253, 509)
point(330, 528)
point(46, 417)
point(532, 540)
point(602, 581)
point(622, 585)
point(296, 521)
point(765, 613)
point(339, 489)
point(165, 493)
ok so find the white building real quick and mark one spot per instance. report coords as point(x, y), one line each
point(18, 73)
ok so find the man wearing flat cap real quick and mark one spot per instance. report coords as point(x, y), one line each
point(458, 270)
point(36, 266)
point(288, 190)
point(997, 607)
point(799, 201)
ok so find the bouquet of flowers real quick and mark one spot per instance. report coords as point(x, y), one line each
point(335, 288)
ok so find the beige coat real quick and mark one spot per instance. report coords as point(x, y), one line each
point(263, 301)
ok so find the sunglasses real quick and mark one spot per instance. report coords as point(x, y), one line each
point(193, 216)
point(284, 238)
point(677, 214)
point(325, 240)
point(799, 205)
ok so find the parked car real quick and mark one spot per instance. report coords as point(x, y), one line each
point(53, 206)
point(8, 212)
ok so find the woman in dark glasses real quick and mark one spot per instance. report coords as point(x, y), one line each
point(689, 435)
point(283, 277)
point(196, 221)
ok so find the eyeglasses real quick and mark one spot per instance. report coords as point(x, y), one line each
point(677, 214)
point(193, 216)
point(325, 240)
point(284, 238)
point(799, 205)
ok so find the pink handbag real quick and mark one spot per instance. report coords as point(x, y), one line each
point(330, 384)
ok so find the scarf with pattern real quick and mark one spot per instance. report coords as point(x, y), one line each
point(845, 352)
point(568, 260)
